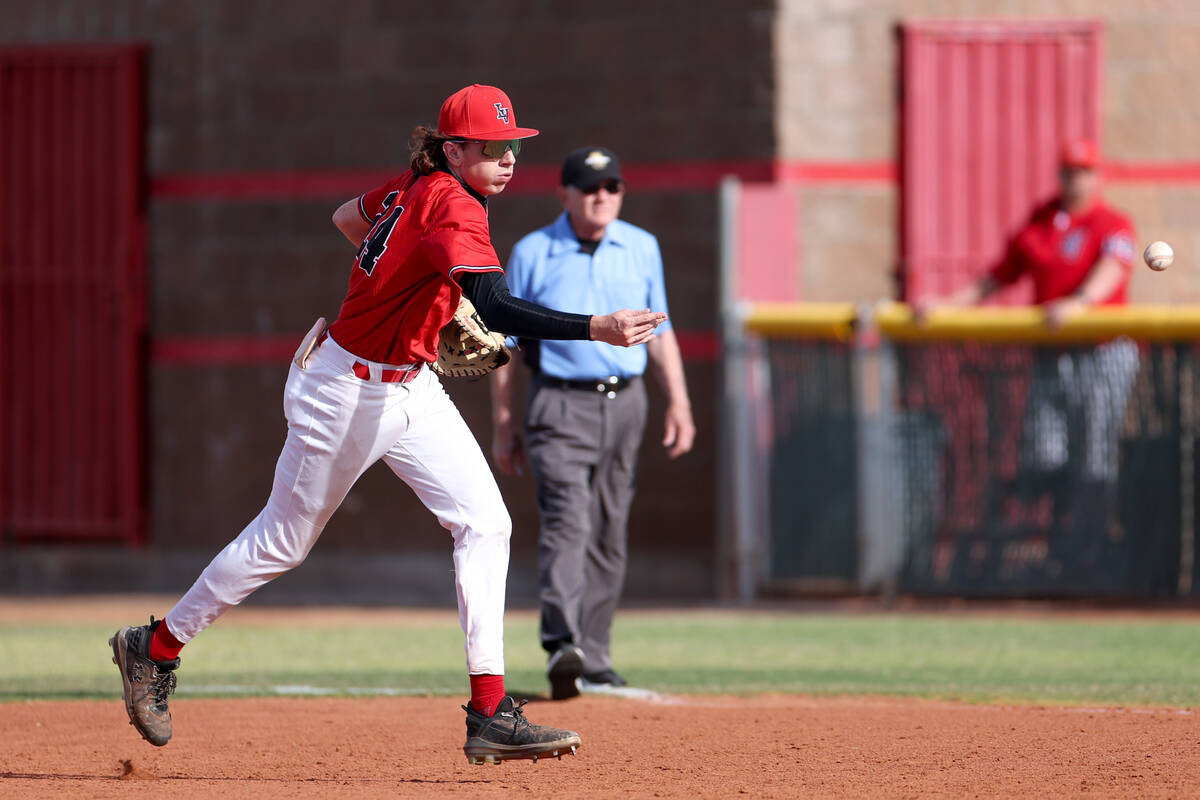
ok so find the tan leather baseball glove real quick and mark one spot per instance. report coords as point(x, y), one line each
point(466, 348)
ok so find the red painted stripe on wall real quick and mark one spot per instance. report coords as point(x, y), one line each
point(1164, 172)
point(837, 171)
point(224, 349)
point(265, 185)
point(698, 346)
point(533, 179)
point(541, 179)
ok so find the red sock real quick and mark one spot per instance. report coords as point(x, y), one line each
point(163, 645)
point(486, 693)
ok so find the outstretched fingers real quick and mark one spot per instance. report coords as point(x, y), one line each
point(647, 317)
point(627, 327)
point(639, 326)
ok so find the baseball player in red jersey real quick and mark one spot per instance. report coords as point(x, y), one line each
point(1077, 250)
point(365, 393)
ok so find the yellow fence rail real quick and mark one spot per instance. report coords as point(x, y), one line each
point(814, 320)
point(895, 321)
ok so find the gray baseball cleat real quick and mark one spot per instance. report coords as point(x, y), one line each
point(147, 683)
point(507, 735)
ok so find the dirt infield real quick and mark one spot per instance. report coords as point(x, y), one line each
point(765, 747)
point(673, 747)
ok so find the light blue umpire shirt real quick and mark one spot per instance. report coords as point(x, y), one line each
point(548, 267)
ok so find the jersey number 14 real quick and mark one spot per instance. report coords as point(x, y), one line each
point(377, 238)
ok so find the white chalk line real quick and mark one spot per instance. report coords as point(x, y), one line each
point(303, 690)
point(298, 690)
point(622, 692)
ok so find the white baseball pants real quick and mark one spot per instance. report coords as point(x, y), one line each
point(338, 425)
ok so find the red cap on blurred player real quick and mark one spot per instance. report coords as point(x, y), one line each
point(1081, 154)
point(480, 112)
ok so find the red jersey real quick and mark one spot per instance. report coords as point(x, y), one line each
point(1058, 250)
point(423, 230)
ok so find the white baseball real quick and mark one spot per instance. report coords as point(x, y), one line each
point(1158, 256)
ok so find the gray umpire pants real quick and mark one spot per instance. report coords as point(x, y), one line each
point(583, 448)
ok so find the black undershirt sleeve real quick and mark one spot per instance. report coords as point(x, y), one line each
point(512, 316)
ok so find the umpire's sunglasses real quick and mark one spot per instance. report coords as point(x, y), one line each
point(496, 148)
point(610, 185)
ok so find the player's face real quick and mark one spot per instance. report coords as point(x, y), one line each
point(593, 209)
point(483, 173)
point(1079, 187)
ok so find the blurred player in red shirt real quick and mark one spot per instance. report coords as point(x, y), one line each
point(1077, 250)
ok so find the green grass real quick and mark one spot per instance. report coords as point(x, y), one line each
point(1067, 660)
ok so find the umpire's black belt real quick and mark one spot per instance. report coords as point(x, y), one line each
point(598, 385)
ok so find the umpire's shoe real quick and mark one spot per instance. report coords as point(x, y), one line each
point(147, 683)
point(563, 670)
point(506, 735)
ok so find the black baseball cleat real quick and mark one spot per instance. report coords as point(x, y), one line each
point(604, 679)
point(506, 736)
point(563, 670)
point(147, 683)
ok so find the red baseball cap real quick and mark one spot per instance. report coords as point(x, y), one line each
point(480, 112)
point(1080, 153)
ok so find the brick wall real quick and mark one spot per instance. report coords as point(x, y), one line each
point(238, 86)
point(836, 77)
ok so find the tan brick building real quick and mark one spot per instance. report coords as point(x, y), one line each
point(837, 68)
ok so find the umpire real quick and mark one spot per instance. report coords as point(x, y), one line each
point(586, 412)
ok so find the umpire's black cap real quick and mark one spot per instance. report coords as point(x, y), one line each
point(588, 166)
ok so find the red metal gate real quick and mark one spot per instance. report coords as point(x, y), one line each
point(986, 107)
point(72, 293)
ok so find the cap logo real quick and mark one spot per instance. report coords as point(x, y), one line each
point(501, 112)
point(597, 160)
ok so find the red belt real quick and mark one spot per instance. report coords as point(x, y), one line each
point(387, 375)
point(361, 370)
